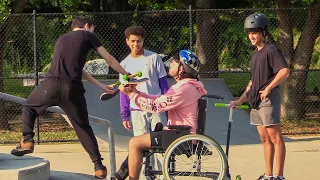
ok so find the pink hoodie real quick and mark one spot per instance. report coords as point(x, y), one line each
point(181, 102)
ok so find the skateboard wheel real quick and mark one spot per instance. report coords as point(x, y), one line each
point(139, 74)
point(125, 77)
point(118, 83)
point(238, 177)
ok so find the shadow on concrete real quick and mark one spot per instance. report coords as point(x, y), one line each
point(60, 175)
point(303, 139)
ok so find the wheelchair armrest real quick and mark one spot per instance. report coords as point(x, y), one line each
point(179, 127)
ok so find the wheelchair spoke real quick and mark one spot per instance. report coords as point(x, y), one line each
point(186, 149)
point(194, 157)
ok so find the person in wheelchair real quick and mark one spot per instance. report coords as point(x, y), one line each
point(181, 103)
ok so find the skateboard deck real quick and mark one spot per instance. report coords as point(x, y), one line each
point(107, 96)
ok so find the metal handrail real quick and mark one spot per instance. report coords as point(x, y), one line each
point(56, 109)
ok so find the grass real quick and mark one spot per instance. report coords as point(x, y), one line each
point(15, 87)
point(236, 82)
point(301, 126)
point(12, 137)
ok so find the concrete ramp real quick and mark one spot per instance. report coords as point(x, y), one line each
point(23, 168)
point(217, 118)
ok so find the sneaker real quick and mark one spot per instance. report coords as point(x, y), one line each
point(25, 147)
point(264, 177)
point(100, 170)
point(279, 178)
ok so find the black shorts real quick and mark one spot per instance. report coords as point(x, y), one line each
point(162, 139)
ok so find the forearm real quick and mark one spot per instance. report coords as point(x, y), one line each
point(111, 61)
point(114, 64)
point(244, 97)
point(89, 78)
point(149, 96)
point(155, 104)
point(281, 75)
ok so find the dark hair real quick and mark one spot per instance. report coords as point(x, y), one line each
point(135, 30)
point(176, 58)
point(80, 21)
point(265, 32)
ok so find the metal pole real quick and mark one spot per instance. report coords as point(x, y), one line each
point(36, 78)
point(190, 27)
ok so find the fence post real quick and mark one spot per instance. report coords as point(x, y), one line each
point(35, 63)
point(190, 27)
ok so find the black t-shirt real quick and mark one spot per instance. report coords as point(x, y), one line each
point(70, 54)
point(265, 64)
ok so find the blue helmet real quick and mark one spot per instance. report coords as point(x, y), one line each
point(190, 62)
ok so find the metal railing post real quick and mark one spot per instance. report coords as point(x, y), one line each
point(190, 28)
point(35, 64)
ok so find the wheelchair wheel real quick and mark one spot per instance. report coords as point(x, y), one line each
point(196, 156)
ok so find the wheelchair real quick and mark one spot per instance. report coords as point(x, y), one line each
point(194, 156)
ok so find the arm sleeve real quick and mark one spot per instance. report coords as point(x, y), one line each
point(277, 60)
point(124, 107)
point(124, 100)
point(160, 67)
point(94, 41)
point(153, 104)
point(163, 84)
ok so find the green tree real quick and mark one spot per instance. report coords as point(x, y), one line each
point(298, 57)
point(7, 22)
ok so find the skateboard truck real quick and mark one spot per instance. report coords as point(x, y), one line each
point(115, 85)
point(128, 77)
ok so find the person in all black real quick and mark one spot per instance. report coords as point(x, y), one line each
point(62, 86)
point(268, 70)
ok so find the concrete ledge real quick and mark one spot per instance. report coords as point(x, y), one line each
point(23, 168)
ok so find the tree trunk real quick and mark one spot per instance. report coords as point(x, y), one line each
point(207, 32)
point(293, 89)
point(301, 63)
point(4, 33)
point(285, 43)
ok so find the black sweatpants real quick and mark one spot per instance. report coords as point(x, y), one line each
point(69, 96)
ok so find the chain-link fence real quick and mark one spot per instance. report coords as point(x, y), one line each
point(217, 36)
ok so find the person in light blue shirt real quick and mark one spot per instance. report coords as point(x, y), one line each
point(152, 67)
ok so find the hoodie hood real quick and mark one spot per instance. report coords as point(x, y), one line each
point(198, 84)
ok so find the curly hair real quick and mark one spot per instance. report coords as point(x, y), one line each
point(135, 30)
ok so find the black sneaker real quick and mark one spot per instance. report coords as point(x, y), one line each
point(279, 178)
point(264, 177)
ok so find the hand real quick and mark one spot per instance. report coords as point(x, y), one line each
point(264, 94)
point(133, 87)
point(234, 104)
point(127, 125)
point(107, 89)
point(126, 89)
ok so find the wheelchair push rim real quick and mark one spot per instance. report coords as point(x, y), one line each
point(196, 149)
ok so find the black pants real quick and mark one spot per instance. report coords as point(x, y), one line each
point(69, 96)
